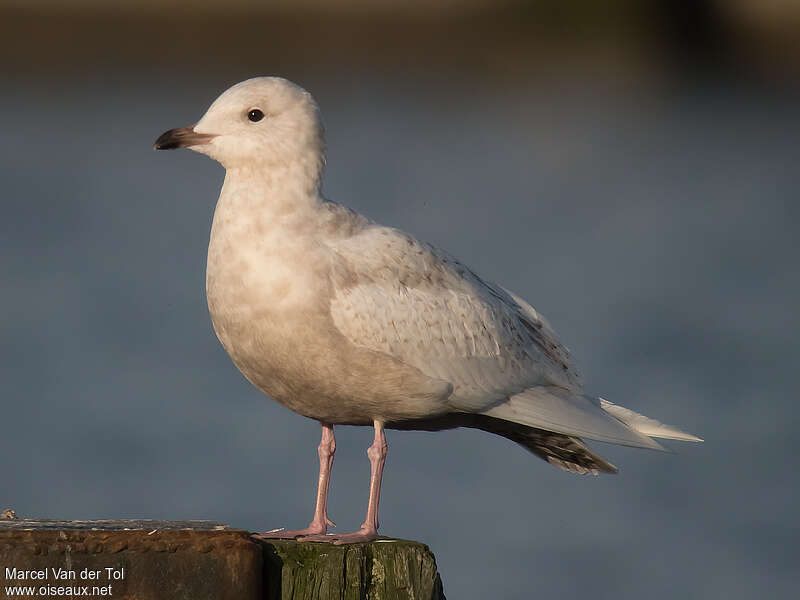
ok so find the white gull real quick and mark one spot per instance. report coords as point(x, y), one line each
point(348, 322)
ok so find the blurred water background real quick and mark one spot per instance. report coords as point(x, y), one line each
point(630, 168)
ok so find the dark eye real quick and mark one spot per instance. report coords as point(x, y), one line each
point(255, 115)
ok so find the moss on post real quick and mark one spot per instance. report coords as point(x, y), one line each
point(381, 570)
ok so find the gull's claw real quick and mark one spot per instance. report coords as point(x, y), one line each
point(282, 534)
point(362, 535)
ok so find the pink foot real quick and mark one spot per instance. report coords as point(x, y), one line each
point(319, 524)
point(362, 535)
point(282, 534)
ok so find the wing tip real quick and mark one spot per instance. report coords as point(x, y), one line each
point(683, 437)
point(646, 425)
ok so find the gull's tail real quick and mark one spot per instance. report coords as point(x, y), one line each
point(551, 421)
point(562, 451)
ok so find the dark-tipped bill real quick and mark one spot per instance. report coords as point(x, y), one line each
point(181, 138)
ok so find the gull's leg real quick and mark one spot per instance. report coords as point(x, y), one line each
point(319, 524)
point(369, 529)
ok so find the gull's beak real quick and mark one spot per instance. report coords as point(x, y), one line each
point(181, 138)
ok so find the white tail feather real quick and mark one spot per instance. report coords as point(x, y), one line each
point(556, 409)
point(646, 425)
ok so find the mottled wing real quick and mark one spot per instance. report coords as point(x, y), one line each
point(395, 295)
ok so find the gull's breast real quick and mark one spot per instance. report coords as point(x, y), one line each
point(264, 287)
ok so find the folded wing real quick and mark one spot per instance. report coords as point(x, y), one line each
point(395, 295)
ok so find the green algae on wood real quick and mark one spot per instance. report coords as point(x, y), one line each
point(385, 569)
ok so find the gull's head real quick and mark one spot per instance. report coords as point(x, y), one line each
point(260, 123)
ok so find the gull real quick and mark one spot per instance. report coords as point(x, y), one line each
point(348, 322)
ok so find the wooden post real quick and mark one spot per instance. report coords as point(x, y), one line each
point(383, 569)
point(200, 560)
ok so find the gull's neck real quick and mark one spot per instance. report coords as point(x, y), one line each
point(282, 191)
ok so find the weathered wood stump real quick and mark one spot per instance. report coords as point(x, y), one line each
point(386, 568)
point(129, 559)
point(199, 560)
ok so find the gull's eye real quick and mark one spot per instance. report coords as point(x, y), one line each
point(255, 115)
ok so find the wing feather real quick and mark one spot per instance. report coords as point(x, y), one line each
point(396, 295)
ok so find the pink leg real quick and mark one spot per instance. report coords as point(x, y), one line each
point(319, 524)
point(369, 529)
